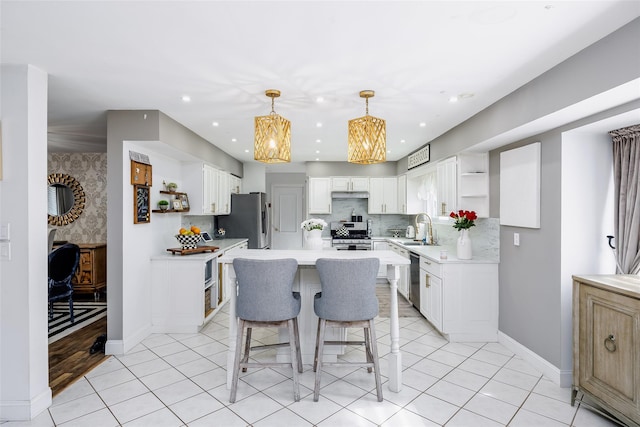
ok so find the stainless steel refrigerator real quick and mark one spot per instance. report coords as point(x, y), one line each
point(249, 218)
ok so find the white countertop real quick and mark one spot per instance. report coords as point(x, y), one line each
point(308, 257)
point(433, 252)
point(222, 244)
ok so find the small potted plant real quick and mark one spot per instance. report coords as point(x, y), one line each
point(163, 204)
point(172, 186)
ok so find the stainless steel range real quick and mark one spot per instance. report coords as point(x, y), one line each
point(350, 236)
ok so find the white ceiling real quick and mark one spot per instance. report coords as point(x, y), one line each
point(113, 55)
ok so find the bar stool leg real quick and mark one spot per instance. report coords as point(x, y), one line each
point(367, 348)
point(376, 361)
point(247, 348)
point(294, 359)
point(319, 351)
point(296, 331)
point(236, 361)
point(315, 356)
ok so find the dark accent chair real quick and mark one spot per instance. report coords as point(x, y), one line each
point(63, 263)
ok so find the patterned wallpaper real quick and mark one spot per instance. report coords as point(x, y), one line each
point(90, 169)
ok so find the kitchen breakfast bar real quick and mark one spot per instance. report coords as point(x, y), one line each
point(307, 282)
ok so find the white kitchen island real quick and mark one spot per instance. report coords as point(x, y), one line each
point(308, 284)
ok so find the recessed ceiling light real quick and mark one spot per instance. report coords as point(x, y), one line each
point(233, 140)
point(186, 98)
point(319, 99)
point(317, 159)
point(215, 124)
point(423, 124)
point(389, 151)
point(402, 141)
point(246, 151)
point(317, 151)
point(318, 141)
point(453, 99)
point(319, 125)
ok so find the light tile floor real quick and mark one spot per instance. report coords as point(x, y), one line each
point(180, 380)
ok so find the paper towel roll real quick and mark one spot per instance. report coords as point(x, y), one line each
point(420, 231)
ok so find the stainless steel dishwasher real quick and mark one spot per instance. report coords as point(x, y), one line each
point(414, 278)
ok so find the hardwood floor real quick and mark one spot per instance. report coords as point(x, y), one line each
point(70, 357)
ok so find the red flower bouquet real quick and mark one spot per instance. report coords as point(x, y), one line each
point(463, 219)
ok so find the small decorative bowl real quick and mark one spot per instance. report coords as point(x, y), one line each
point(188, 241)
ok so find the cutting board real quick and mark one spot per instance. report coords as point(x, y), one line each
point(200, 250)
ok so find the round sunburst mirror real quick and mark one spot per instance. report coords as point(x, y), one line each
point(65, 199)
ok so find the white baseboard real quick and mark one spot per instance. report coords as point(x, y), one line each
point(561, 377)
point(120, 347)
point(25, 410)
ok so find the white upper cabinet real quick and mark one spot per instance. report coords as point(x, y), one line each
point(383, 195)
point(473, 183)
point(319, 196)
point(208, 189)
point(402, 194)
point(447, 191)
point(349, 183)
point(200, 184)
point(223, 200)
point(235, 184)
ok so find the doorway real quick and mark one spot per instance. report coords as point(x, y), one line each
point(287, 202)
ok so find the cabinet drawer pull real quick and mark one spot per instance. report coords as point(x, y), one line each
point(426, 281)
point(610, 343)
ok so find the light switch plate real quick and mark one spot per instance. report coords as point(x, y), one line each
point(5, 251)
point(4, 231)
point(516, 239)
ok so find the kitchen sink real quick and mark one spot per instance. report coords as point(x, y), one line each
point(413, 244)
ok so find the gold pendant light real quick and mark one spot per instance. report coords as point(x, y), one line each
point(367, 137)
point(272, 135)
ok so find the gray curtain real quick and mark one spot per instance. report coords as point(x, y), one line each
point(626, 175)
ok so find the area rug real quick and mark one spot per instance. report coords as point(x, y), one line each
point(84, 313)
point(405, 308)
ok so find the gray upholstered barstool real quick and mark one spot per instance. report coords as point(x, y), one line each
point(348, 300)
point(266, 299)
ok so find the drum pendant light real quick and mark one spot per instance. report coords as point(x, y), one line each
point(272, 135)
point(367, 137)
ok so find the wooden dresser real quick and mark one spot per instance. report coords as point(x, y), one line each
point(91, 276)
point(606, 343)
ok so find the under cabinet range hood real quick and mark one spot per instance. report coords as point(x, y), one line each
point(349, 195)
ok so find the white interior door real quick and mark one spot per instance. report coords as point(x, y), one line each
point(287, 217)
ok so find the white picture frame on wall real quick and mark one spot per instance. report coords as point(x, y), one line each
point(520, 186)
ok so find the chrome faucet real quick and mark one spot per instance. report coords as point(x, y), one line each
point(421, 219)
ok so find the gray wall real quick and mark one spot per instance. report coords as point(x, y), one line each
point(319, 169)
point(607, 64)
point(532, 308)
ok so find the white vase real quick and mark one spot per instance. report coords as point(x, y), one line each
point(313, 240)
point(464, 245)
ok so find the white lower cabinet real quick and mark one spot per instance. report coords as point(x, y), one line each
point(381, 245)
point(403, 280)
point(184, 292)
point(431, 292)
point(460, 300)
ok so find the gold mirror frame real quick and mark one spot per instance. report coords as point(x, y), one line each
point(78, 199)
